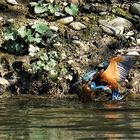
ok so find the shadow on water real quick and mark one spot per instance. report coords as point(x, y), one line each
point(30, 119)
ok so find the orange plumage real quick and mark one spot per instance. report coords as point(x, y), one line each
point(111, 75)
point(115, 73)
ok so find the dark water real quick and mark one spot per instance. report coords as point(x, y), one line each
point(38, 119)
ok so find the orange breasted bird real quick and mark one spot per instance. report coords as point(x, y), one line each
point(115, 73)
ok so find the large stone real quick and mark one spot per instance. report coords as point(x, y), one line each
point(115, 26)
point(119, 21)
point(109, 29)
point(135, 8)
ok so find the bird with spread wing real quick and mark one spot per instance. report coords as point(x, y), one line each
point(112, 76)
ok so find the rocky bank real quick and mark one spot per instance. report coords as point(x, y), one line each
point(84, 34)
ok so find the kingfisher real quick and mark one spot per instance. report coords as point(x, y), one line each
point(112, 76)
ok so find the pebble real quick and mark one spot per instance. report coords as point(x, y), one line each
point(9, 21)
point(63, 55)
point(11, 2)
point(103, 13)
point(57, 44)
point(138, 41)
point(77, 42)
point(77, 25)
point(54, 28)
point(66, 20)
point(3, 81)
point(133, 53)
point(33, 50)
point(1, 18)
point(2, 21)
point(33, 4)
point(129, 34)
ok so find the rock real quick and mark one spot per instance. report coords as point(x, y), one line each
point(2, 21)
point(54, 28)
point(65, 4)
point(33, 50)
point(8, 22)
point(57, 44)
point(109, 29)
point(11, 2)
point(129, 34)
point(133, 53)
point(3, 82)
point(77, 25)
point(115, 26)
point(51, 1)
point(63, 55)
point(33, 4)
point(103, 13)
point(59, 14)
point(121, 22)
point(138, 41)
point(66, 20)
point(135, 8)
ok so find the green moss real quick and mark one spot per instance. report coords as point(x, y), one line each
point(120, 12)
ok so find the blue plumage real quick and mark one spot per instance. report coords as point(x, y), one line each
point(89, 75)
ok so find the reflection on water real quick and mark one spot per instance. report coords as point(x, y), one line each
point(72, 120)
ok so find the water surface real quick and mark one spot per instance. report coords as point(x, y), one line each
point(39, 119)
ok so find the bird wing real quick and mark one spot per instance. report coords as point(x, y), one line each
point(124, 66)
point(119, 68)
